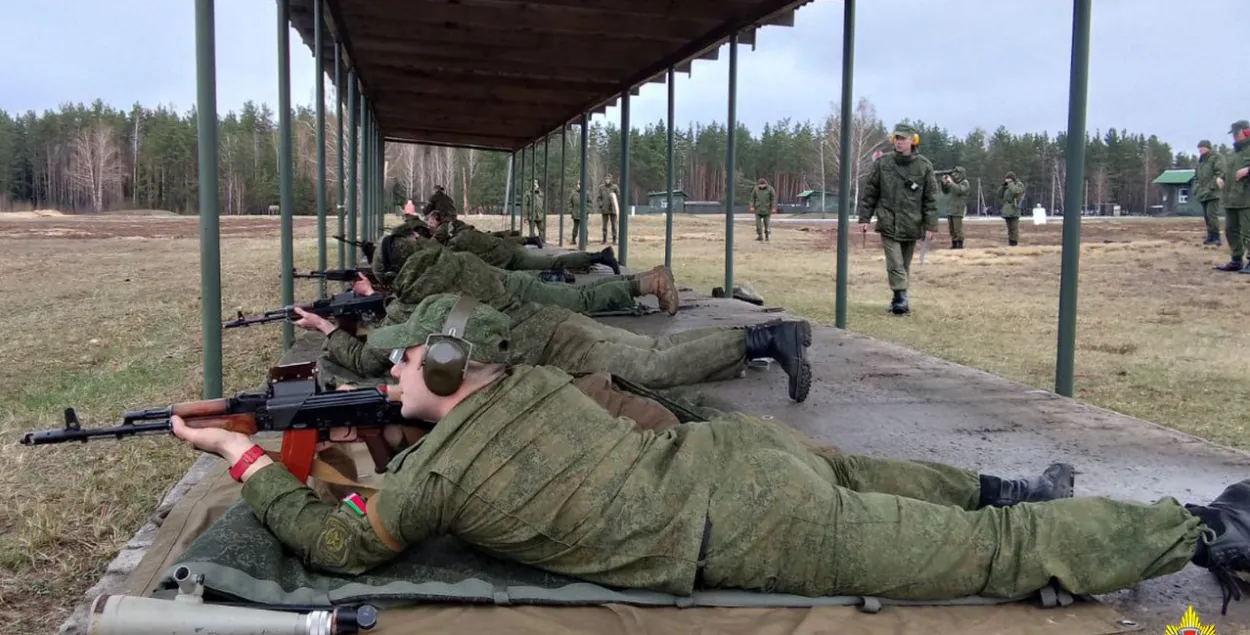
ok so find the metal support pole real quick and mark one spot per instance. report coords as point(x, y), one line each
point(366, 171)
point(668, 216)
point(622, 249)
point(338, 117)
point(321, 146)
point(1078, 88)
point(564, 144)
point(285, 200)
point(210, 228)
point(520, 192)
point(529, 188)
point(353, 124)
point(546, 184)
point(844, 163)
point(507, 186)
point(384, 201)
point(581, 211)
point(729, 165)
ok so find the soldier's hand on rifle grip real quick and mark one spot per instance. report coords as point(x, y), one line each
point(362, 286)
point(312, 321)
point(224, 443)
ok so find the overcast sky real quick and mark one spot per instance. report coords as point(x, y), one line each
point(1154, 68)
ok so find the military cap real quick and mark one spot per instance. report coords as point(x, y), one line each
point(904, 130)
point(391, 254)
point(1238, 126)
point(1010, 175)
point(1205, 143)
point(486, 328)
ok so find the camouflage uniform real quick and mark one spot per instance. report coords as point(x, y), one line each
point(603, 200)
point(575, 214)
point(558, 336)
point(439, 201)
point(536, 213)
point(531, 469)
point(902, 192)
point(1010, 193)
point(1235, 199)
point(412, 226)
point(763, 202)
point(957, 205)
point(505, 253)
point(1210, 167)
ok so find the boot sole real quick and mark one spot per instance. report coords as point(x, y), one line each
point(1064, 477)
point(801, 382)
point(669, 292)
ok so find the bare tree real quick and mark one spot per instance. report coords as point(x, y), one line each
point(867, 136)
point(95, 164)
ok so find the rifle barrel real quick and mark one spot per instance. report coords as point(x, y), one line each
point(65, 435)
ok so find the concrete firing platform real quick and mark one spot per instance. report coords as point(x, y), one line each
point(874, 398)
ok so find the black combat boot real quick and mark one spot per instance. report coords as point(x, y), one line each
point(1013, 243)
point(606, 257)
point(1054, 483)
point(898, 306)
point(786, 342)
point(537, 241)
point(961, 243)
point(1231, 265)
point(1224, 546)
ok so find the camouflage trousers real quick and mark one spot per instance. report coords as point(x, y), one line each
point(1237, 231)
point(956, 224)
point(1013, 228)
point(795, 520)
point(762, 231)
point(1211, 214)
point(580, 344)
point(538, 227)
point(597, 295)
point(608, 219)
point(577, 225)
point(530, 259)
point(898, 254)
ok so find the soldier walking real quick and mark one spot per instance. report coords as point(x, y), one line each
point(1210, 168)
point(902, 193)
point(607, 211)
point(763, 205)
point(956, 185)
point(1235, 198)
point(536, 212)
point(1011, 193)
point(575, 210)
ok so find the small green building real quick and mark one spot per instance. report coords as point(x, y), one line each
point(812, 201)
point(658, 201)
point(1176, 186)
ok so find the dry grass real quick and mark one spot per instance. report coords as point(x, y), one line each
point(102, 314)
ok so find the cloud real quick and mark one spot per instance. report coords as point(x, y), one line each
point(959, 63)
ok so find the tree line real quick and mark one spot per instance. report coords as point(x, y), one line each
point(95, 158)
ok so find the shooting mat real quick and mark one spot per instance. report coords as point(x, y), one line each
point(212, 532)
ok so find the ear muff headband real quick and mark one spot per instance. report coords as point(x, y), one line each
point(446, 358)
point(386, 251)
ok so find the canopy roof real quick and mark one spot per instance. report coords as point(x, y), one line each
point(500, 74)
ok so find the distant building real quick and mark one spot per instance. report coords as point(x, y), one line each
point(658, 202)
point(811, 201)
point(1176, 186)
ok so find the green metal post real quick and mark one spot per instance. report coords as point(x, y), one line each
point(1078, 87)
point(668, 216)
point(366, 171)
point(564, 143)
point(729, 165)
point(529, 186)
point(622, 229)
point(546, 183)
point(321, 146)
point(844, 163)
point(520, 191)
point(210, 228)
point(509, 184)
point(581, 212)
point(285, 200)
point(384, 201)
point(353, 125)
point(338, 117)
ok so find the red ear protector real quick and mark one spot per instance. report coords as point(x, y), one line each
point(446, 358)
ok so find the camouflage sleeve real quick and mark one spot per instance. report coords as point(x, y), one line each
point(963, 187)
point(348, 351)
point(1217, 165)
point(872, 193)
point(333, 538)
point(928, 200)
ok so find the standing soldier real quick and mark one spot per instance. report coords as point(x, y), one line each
point(763, 205)
point(1011, 193)
point(956, 185)
point(575, 210)
point(536, 212)
point(1235, 198)
point(902, 192)
point(608, 210)
point(439, 201)
point(1210, 167)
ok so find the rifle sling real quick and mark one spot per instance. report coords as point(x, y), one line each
point(327, 473)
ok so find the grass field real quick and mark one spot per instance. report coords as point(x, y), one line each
point(102, 314)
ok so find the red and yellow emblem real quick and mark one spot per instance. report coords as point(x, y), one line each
point(1190, 625)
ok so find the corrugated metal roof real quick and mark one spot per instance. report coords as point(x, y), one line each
point(1174, 177)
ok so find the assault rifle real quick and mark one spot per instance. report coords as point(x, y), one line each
point(366, 246)
point(293, 403)
point(346, 308)
point(338, 275)
point(938, 174)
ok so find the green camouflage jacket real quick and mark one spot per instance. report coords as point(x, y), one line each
point(496, 251)
point(603, 200)
point(957, 203)
point(763, 200)
point(575, 204)
point(901, 192)
point(1010, 195)
point(1236, 193)
point(534, 208)
point(1210, 167)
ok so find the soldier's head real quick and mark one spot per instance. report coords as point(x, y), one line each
point(1204, 147)
point(535, 185)
point(763, 183)
point(577, 186)
point(958, 174)
point(607, 179)
point(438, 189)
point(1010, 176)
point(409, 208)
point(905, 138)
point(437, 217)
point(450, 346)
point(391, 254)
point(1240, 131)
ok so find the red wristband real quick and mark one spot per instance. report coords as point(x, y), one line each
point(246, 461)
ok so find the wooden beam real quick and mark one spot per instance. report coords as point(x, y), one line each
point(483, 91)
point(421, 111)
point(657, 8)
point(436, 137)
point(537, 18)
point(436, 47)
point(498, 69)
point(392, 72)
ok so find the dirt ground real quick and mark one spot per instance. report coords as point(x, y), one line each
point(102, 314)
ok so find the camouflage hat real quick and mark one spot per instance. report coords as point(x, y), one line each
point(1205, 143)
point(391, 254)
point(487, 329)
point(903, 130)
point(1238, 126)
point(1009, 175)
